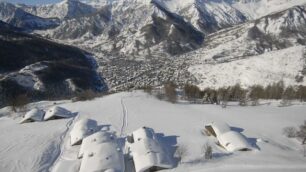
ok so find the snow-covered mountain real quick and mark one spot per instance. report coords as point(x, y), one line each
point(262, 51)
point(19, 18)
point(255, 9)
point(64, 10)
point(174, 36)
point(41, 68)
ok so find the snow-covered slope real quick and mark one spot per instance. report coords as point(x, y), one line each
point(137, 39)
point(231, 56)
point(264, 69)
point(258, 8)
point(62, 10)
point(30, 64)
point(19, 18)
point(35, 146)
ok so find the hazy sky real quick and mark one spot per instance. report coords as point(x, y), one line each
point(32, 2)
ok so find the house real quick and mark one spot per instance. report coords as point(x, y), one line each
point(100, 152)
point(33, 115)
point(147, 152)
point(96, 138)
point(57, 112)
point(81, 129)
point(228, 139)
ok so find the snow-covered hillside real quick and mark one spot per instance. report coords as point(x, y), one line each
point(283, 65)
point(43, 146)
point(62, 10)
point(149, 42)
point(9, 13)
point(258, 8)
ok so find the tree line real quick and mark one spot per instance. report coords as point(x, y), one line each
point(192, 93)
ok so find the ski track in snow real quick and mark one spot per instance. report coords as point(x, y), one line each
point(60, 147)
point(124, 118)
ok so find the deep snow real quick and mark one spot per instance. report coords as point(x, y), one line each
point(43, 146)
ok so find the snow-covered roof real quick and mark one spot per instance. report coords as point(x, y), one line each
point(81, 129)
point(100, 152)
point(234, 141)
point(33, 115)
point(230, 140)
point(57, 112)
point(144, 132)
point(103, 157)
point(96, 138)
point(147, 152)
point(219, 127)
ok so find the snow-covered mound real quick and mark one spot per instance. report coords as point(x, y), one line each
point(234, 141)
point(174, 124)
point(56, 112)
point(33, 115)
point(228, 139)
point(97, 138)
point(101, 154)
point(148, 154)
point(81, 129)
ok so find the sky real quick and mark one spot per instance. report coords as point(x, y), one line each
point(32, 2)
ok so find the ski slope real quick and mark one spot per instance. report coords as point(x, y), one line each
point(44, 146)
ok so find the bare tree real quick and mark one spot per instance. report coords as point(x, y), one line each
point(19, 103)
point(192, 92)
point(86, 95)
point(290, 132)
point(302, 132)
point(256, 93)
point(181, 152)
point(170, 92)
point(207, 151)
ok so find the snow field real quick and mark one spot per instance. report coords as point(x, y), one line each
point(174, 124)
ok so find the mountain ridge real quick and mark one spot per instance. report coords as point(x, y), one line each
point(180, 34)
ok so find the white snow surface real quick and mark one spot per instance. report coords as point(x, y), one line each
point(57, 111)
point(97, 138)
point(81, 129)
point(101, 153)
point(34, 114)
point(234, 141)
point(34, 147)
point(258, 8)
point(103, 157)
point(268, 68)
point(219, 127)
point(147, 152)
point(229, 139)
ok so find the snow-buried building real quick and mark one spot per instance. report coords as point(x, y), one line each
point(81, 129)
point(230, 140)
point(147, 152)
point(57, 112)
point(33, 115)
point(100, 152)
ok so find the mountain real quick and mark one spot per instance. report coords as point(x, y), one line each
point(207, 16)
point(66, 9)
point(262, 51)
point(149, 42)
point(255, 9)
point(19, 18)
point(41, 68)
